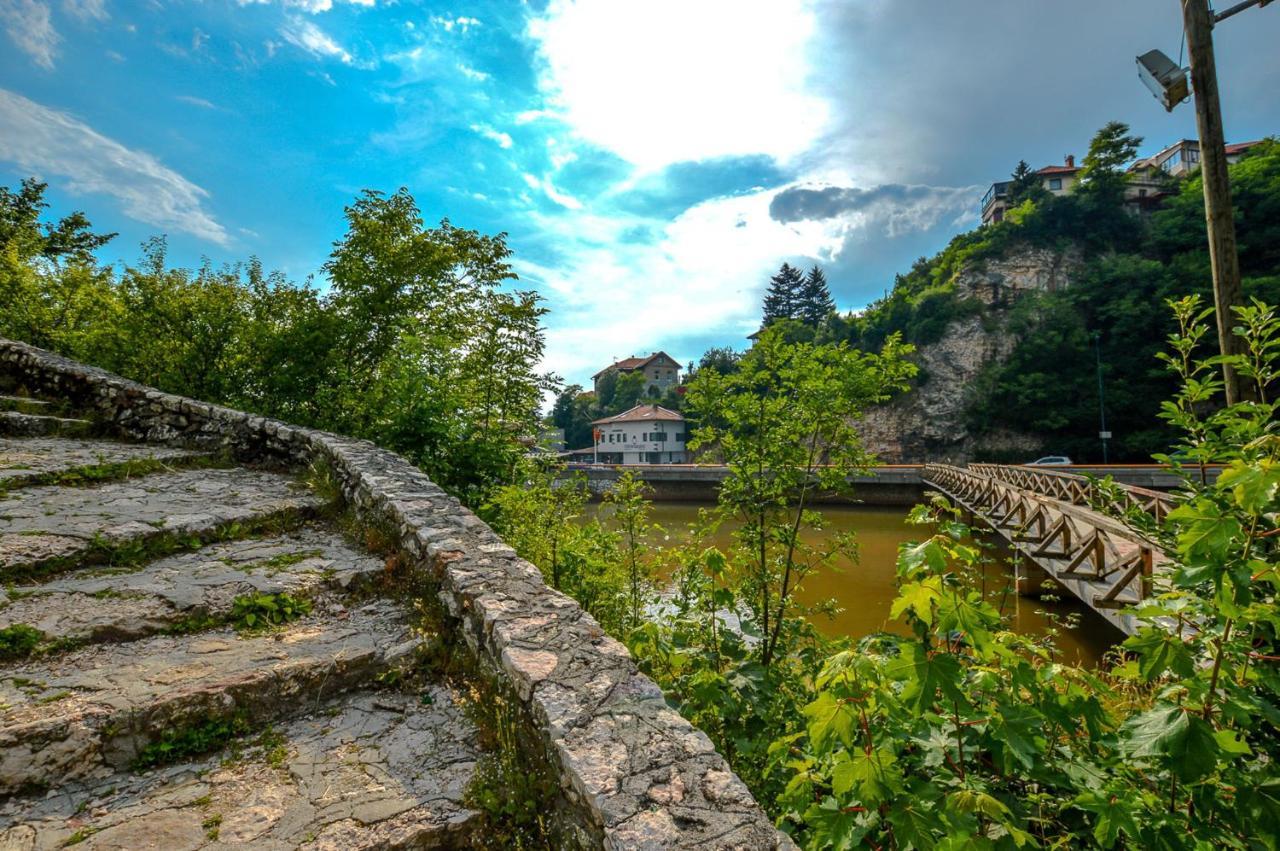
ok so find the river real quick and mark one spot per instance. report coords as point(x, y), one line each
point(865, 590)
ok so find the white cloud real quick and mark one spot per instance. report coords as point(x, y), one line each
point(704, 272)
point(310, 7)
point(195, 101)
point(471, 73)
point(501, 139)
point(460, 23)
point(87, 10)
point(30, 28)
point(312, 39)
point(665, 81)
point(546, 187)
point(44, 141)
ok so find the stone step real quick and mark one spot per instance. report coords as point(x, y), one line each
point(381, 770)
point(44, 460)
point(195, 589)
point(25, 405)
point(17, 424)
point(54, 527)
point(95, 711)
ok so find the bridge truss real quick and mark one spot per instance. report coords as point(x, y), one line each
point(1044, 516)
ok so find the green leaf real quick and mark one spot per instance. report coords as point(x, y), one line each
point(830, 718)
point(872, 778)
point(925, 675)
point(1253, 486)
point(1160, 650)
point(1206, 533)
point(919, 598)
point(1170, 733)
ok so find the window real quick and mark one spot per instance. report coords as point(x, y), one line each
point(1193, 155)
point(1055, 184)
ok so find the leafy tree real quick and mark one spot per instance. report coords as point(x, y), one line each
point(721, 359)
point(814, 303)
point(1103, 177)
point(24, 237)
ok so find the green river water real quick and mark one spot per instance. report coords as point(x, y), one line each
point(865, 590)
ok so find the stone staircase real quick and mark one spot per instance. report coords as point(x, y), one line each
point(193, 655)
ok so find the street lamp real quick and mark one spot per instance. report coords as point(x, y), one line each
point(1169, 84)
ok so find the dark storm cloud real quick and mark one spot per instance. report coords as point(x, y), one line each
point(957, 93)
point(802, 203)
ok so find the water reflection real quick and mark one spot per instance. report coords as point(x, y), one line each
point(865, 590)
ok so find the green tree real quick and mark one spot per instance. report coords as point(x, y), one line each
point(782, 425)
point(1025, 184)
point(814, 303)
point(1103, 177)
point(782, 299)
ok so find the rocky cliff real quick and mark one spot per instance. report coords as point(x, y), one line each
point(928, 423)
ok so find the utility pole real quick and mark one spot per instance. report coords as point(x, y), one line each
point(1227, 292)
point(1103, 434)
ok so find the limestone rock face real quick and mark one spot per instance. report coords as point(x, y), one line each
point(928, 423)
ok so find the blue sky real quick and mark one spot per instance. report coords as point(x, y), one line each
point(632, 150)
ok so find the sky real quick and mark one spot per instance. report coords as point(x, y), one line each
point(652, 161)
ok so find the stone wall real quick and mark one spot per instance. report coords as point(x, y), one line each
point(634, 773)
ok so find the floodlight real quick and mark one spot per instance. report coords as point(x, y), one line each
point(1166, 80)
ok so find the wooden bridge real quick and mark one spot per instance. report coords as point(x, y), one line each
point(1050, 519)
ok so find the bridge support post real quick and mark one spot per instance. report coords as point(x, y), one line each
point(1030, 578)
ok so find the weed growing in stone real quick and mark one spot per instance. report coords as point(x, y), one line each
point(19, 641)
point(254, 612)
point(193, 739)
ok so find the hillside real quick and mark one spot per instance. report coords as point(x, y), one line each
point(1011, 318)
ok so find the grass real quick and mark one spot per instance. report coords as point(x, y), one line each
point(127, 555)
point(277, 563)
point(19, 641)
point(198, 737)
point(92, 474)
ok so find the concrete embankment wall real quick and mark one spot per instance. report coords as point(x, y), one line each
point(899, 485)
point(633, 773)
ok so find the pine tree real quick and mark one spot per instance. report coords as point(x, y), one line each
point(781, 301)
point(814, 303)
point(1025, 183)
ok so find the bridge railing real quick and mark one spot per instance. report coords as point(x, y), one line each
point(1101, 560)
point(1079, 490)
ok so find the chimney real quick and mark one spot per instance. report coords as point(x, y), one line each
point(1071, 160)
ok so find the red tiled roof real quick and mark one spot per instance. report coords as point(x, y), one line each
point(1240, 147)
point(1058, 169)
point(642, 413)
point(634, 363)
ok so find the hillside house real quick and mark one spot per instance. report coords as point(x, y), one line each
point(660, 371)
point(1149, 177)
point(646, 434)
point(1056, 179)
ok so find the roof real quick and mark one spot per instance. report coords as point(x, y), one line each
point(1058, 169)
point(1240, 147)
point(642, 414)
point(634, 363)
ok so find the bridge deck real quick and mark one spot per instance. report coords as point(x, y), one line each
point(1105, 563)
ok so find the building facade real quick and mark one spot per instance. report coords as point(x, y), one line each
point(660, 371)
point(1150, 178)
point(646, 434)
point(1056, 179)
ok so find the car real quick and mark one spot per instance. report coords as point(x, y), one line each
point(1050, 461)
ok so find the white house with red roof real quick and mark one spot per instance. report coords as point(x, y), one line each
point(1056, 179)
point(660, 370)
point(646, 434)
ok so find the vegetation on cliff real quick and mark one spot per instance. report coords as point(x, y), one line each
point(1048, 387)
